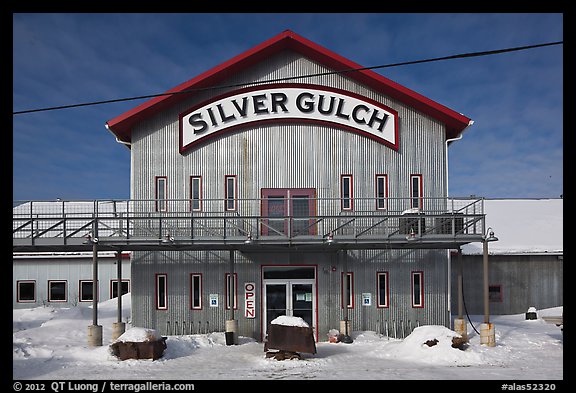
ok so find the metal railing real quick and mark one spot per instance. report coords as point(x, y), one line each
point(282, 218)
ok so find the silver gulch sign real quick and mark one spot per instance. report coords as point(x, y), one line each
point(289, 102)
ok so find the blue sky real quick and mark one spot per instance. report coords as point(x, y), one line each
point(513, 150)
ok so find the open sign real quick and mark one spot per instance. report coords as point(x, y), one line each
point(249, 300)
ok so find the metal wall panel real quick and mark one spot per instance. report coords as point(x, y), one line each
point(525, 281)
point(71, 270)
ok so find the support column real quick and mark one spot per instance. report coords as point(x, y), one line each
point(345, 328)
point(487, 333)
point(118, 327)
point(95, 330)
point(460, 325)
point(231, 324)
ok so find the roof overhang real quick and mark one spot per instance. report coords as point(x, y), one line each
point(121, 126)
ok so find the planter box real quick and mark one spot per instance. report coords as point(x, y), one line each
point(139, 350)
point(290, 339)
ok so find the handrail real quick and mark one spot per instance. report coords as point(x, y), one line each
point(138, 219)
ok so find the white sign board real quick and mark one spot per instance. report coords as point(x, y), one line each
point(213, 300)
point(289, 102)
point(366, 299)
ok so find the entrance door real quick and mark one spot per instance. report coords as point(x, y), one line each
point(290, 298)
point(288, 211)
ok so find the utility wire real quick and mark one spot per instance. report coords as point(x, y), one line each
point(457, 56)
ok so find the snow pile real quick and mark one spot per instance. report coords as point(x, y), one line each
point(432, 344)
point(289, 321)
point(138, 335)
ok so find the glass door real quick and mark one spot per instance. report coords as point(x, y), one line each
point(288, 211)
point(290, 298)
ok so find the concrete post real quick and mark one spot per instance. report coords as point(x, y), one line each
point(345, 323)
point(487, 332)
point(460, 325)
point(95, 331)
point(118, 327)
point(231, 332)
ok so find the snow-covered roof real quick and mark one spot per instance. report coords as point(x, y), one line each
point(522, 226)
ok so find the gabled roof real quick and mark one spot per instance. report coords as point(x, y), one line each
point(121, 126)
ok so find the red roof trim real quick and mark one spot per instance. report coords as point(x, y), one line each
point(122, 125)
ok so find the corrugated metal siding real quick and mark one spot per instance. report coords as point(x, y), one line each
point(525, 280)
point(290, 155)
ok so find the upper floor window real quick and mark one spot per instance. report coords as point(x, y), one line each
point(381, 192)
point(161, 193)
point(416, 191)
point(230, 192)
point(346, 192)
point(195, 193)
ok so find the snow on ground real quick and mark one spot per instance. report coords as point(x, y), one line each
point(51, 344)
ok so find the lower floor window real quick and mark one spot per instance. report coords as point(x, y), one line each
point(26, 291)
point(382, 289)
point(57, 291)
point(495, 293)
point(231, 290)
point(417, 289)
point(195, 291)
point(161, 292)
point(86, 291)
point(348, 289)
point(124, 288)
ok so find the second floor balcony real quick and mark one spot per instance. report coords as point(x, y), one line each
point(242, 224)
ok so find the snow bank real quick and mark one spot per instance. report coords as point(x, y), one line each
point(414, 348)
point(138, 334)
point(289, 321)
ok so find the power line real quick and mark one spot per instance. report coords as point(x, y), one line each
point(451, 57)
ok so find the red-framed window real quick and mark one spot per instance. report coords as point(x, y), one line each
point(196, 193)
point(124, 287)
point(382, 290)
point(57, 290)
point(417, 284)
point(381, 191)
point(26, 291)
point(416, 192)
point(288, 211)
point(86, 291)
point(161, 193)
point(196, 291)
point(230, 291)
point(347, 288)
point(161, 291)
point(230, 193)
point(346, 192)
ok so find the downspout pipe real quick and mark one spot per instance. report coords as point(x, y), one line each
point(449, 271)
